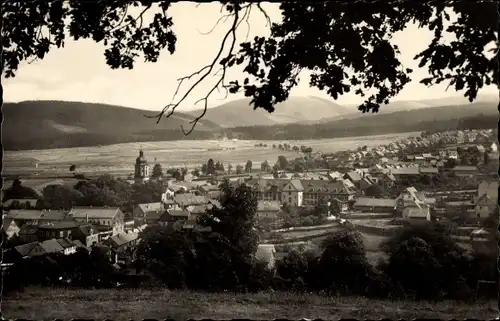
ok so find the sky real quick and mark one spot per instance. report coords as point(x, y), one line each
point(78, 71)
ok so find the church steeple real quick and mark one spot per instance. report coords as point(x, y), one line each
point(141, 168)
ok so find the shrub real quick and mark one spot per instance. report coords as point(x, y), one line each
point(426, 261)
point(343, 263)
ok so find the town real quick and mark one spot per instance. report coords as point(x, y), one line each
point(445, 177)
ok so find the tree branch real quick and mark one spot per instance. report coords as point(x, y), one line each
point(207, 70)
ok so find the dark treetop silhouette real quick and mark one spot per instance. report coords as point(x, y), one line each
point(328, 38)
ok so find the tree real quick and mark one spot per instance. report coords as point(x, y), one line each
point(282, 162)
point(72, 168)
point(233, 233)
point(344, 253)
point(239, 169)
point(176, 174)
point(18, 191)
point(157, 171)
point(428, 253)
point(61, 197)
point(204, 169)
point(93, 195)
point(450, 163)
point(265, 167)
point(248, 166)
point(320, 209)
point(167, 254)
point(210, 167)
point(150, 192)
point(372, 64)
point(293, 269)
point(335, 207)
point(229, 168)
point(374, 190)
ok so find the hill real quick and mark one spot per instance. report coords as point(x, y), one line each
point(57, 124)
point(297, 109)
point(52, 124)
point(476, 115)
point(407, 105)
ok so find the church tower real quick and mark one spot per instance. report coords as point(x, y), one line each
point(141, 168)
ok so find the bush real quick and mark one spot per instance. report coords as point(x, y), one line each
point(292, 270)
point(343, 263)
point(426, 261)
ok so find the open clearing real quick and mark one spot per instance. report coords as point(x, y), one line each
point(119, 159)
point(159, 304)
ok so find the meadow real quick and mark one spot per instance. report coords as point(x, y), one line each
point(119, 159)
point(127, 304)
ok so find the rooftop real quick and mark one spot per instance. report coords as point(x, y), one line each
point(94, 212)
point(375, 202)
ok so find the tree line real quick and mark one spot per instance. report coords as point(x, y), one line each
point(104, 190)
point(423, 261)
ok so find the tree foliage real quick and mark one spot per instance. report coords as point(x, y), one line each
point(61, 197)
point(248, 166)
point(19, 191)
point(168, 254)
point(345, 49)
point(157, 171)
point(429, 254)
point(344, 263)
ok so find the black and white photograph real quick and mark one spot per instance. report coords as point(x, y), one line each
point(249, 160)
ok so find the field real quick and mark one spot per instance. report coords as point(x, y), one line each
point(119, 159)
point(65, 304)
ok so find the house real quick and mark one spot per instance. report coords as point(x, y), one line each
point(196, 211)
point(314, 190)
point(148, 213)
point(51, 246)
point(410, 197)
point(268, 210)
point(68, 245)
point(429, 171)
point(405, 173)
point(207, 189)
point(187, 199)
point(170, 192)
point(61, 229)
point(171, 216)
point(30, 250)
point(169, 203)
point(354, 177)
point(417, 213)
point(270, 189)
point(485, 206)
point(123, 241)
point(490, 188)
point(375, 205)
point(387, 181)
point(10, 228)
point(465, 171)
point(28, 233)
point(292, 193)
point(266, 253)
point(85, 233)
point(108, 216)
point(35, 217)
point(494, 147)
point(366, 182)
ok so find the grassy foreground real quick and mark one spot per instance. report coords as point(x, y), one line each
point(53, 303)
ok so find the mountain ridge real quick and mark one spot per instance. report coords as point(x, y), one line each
point(59, 124)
